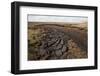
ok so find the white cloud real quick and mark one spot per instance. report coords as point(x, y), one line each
point(51, 18)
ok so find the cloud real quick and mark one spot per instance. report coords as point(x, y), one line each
point(51, 18)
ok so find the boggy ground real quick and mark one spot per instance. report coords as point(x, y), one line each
point(56, 41)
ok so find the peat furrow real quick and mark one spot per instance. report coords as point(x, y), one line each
point(54, 44)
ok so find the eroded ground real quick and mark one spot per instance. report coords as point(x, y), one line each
point(57, 41)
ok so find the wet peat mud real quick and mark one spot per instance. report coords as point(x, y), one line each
point(52, 41)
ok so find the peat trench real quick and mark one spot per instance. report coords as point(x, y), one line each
point(55, 43)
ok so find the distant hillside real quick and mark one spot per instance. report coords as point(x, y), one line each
point(81, 24)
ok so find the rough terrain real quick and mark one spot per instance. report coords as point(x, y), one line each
point(56, 41)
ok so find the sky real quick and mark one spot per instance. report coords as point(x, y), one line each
point(54, 18)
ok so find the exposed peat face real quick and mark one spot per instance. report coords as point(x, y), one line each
point(56, 41)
